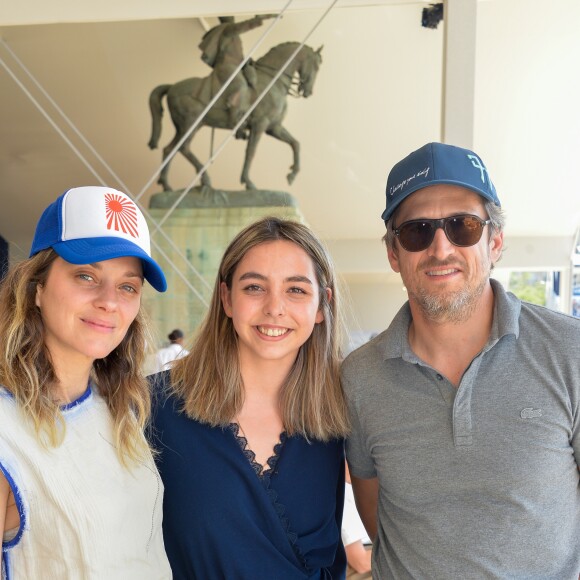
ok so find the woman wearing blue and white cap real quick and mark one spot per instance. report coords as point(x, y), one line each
point(80, 496)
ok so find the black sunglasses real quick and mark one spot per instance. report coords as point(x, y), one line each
point(461, 230)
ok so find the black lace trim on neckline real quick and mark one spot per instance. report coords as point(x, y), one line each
point(265, 475)
point(251, 456)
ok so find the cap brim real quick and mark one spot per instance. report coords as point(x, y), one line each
point(390, 210)
point(90, 250)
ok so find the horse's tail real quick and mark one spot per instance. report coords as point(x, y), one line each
point(156, 113)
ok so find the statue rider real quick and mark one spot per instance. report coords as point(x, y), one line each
point(222, 50)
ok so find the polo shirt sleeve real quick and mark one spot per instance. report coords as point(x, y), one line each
point(575, 439)
point(360, 461)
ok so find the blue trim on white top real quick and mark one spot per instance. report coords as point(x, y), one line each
point(5, 566)
point(78, 401)
point(6, 393)
point(21, 511)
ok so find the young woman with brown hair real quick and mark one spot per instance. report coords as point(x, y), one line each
point(250, 424)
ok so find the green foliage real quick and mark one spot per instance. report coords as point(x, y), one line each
point(529, 286)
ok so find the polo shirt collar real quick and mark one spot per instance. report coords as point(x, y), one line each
point(395, 341)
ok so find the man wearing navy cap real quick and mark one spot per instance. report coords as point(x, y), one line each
point(466, 411)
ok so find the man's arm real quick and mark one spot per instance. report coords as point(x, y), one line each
point(366, 497)
point(237, 28)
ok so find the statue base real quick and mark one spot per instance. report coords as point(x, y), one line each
point(200, 227)
point(207, 197)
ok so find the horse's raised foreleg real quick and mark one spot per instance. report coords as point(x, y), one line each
point(282, 134)
point(256, 131)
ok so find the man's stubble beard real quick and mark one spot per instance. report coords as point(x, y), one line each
point(452, 307)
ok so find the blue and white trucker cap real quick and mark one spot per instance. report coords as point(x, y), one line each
point(92, 224)
point(436, 163)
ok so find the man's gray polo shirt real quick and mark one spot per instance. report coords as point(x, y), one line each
point(480, 481)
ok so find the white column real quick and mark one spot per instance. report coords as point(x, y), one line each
point(457, 115)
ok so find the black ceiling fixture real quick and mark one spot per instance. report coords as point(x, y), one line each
point(432, 15)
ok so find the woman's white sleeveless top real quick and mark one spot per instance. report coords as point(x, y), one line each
point(83, 516)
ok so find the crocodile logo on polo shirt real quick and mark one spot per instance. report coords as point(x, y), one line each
point(530, 413)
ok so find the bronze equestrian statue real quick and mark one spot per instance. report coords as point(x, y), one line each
point(188, 98)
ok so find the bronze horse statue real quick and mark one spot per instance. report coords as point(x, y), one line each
point(188, 98)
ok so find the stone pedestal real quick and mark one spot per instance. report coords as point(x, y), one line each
point(201, 227)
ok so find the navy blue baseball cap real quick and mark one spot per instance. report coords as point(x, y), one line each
point(436, 163)
point(92, 224)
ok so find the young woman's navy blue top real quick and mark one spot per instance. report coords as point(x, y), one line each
point(223, 521)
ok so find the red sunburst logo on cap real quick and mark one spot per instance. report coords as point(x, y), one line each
point(121, 214)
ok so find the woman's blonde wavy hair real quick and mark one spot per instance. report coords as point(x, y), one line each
point(27, 372)
point(208, 380)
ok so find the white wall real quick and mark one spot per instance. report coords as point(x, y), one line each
point(370, 303)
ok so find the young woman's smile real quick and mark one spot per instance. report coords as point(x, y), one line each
point(273, 301)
